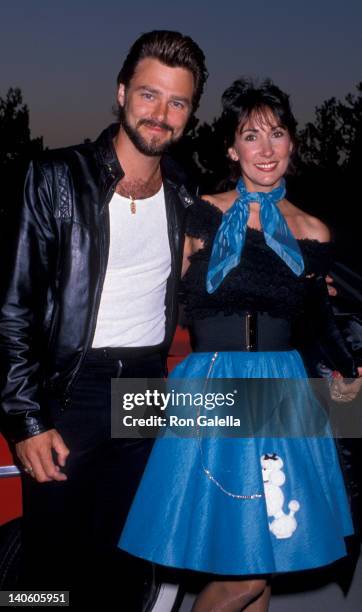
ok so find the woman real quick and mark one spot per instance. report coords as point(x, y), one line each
point(251, 255)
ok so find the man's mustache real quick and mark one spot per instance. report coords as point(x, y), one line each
point(153, 123)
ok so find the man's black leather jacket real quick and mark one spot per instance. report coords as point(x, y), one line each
point(53, 276)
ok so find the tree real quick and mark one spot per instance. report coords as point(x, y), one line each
point(351, 116)
point(201, 152)
point(16, 147)
point(15, 140)
point(323, 142)
point(329, 176)
point(334, 139)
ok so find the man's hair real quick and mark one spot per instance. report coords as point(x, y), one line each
point(172, 49)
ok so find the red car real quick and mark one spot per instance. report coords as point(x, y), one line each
point(10, 488)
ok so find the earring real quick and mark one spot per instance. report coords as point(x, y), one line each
point(232, 154)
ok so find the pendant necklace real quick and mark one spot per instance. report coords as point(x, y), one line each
point(132, 205)
point(146, 188)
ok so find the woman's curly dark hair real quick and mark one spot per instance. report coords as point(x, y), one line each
point(245, 99)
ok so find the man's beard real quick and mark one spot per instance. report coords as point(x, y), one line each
point(152, 147)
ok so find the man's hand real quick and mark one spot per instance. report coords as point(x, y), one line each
point(36, 456)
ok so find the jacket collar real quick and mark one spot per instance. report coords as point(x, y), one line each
point(107, 158)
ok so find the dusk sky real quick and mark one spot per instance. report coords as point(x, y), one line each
point(65, 55)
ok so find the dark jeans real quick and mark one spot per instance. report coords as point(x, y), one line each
point(71, 528)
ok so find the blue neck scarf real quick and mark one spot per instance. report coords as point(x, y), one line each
point(230, 237)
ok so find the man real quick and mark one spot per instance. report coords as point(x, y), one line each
point(89, 293)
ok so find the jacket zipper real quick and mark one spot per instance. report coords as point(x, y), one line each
point(102, 255)
point(171, 223)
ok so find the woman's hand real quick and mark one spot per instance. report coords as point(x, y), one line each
point(331, 288)
point(191, 245)
point(345, 392)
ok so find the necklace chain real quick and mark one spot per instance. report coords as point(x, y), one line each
point(145, 190)
point(207, 472)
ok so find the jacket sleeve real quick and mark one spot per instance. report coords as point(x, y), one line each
point(25, 274)
point(332, 345)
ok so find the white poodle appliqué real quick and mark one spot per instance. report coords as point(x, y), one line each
point(283, 525)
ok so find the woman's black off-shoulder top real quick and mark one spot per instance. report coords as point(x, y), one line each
point(261, 282)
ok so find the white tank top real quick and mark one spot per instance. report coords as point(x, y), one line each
point(132, 307)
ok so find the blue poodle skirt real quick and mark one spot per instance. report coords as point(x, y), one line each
point(188, 512)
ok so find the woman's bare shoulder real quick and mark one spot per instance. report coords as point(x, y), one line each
point(317, 230)
point(305, 226)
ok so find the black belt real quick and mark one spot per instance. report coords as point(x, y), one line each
point(248, 331)
point(124, 352)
